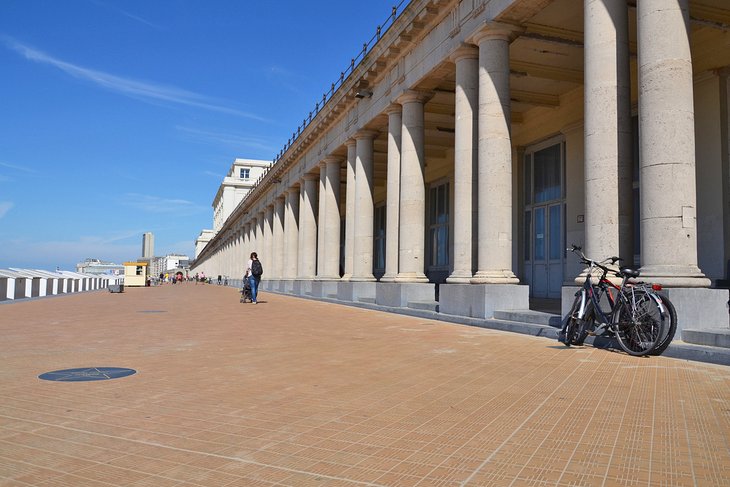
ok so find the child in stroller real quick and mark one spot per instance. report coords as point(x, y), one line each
point(246, 291)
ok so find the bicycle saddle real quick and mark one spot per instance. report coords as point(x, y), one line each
point(626, 271)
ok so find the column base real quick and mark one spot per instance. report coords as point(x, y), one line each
point(356, 291)
point(399, 294)
point(482, 300)
point(416, 277)
point(325, 289)
point(302, 287)
point(363, 279)
point(674, 276)
point(495, 277)
point(388, 278)
point(460, 277)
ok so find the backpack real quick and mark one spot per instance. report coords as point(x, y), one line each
point(256, 268)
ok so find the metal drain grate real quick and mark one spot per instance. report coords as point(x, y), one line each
point(87, 374)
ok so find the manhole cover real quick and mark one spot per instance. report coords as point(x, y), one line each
point(87, 374)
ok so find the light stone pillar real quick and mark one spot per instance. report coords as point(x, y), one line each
point(412, 213)
point(667, 145)
point(246, 244)
point(307, 228)
point(277, 263)
point(350, 209)
point(291, 231)
point(260, 233)
point(607, 131)
point(392, 232)
point(495, 159)
point(466, 101)
point(267, 250)
point(321, 210)
point(364, 209)
point(254, 243)
point(330, 255)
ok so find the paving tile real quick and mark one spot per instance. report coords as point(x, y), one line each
point(298, 392)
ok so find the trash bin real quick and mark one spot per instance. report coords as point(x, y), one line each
point(116, 288)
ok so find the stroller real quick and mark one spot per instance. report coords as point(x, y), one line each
point(246, 292)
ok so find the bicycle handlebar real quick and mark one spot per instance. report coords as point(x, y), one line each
point(612, 260)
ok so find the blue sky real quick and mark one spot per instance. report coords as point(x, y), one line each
point(122, 117)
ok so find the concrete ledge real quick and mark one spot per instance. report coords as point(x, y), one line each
point(717, 337)
point(481, 300)
point(398, 294)
point(322, 289)
point(700, 308)
point(356, 291)
point(530, 316)
point(425, 305)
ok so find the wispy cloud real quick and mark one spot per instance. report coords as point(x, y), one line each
point(142, 90)
point(17, 168)
point(5, 207)
point(232, 140)
point(136, 18)
point(155, 204)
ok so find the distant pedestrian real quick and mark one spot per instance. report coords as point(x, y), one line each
point(253, 274)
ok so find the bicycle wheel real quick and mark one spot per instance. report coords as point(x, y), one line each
point(670, 319)
point(638, 324)
point(571, 326)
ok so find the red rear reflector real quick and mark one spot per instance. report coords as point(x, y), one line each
point(656, 287)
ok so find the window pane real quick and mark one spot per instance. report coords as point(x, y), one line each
point(539, 238)
point(555, 232)
point(547, 174)
point(528, 179)
point(528, 234)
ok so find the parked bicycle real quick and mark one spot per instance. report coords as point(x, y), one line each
point(643, 321)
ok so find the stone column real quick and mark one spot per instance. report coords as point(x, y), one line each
point(321, 210)
point(364, 209)
point(395, 128)
point(245, 249)
point(260, 233)
point(307, 228)
point(667, 145)
point(350, 209)
point(330, 255)
point(412, 213)
point(254, 242)
point(277, 263)
point(495, 159)
point(291, 230)
point(466, 101)
point(607, 131)
point(267, 250)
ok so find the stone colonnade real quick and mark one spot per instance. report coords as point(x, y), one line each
point(299, 233)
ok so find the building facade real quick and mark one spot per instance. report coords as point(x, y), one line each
point(476, 140)
point(148, 245)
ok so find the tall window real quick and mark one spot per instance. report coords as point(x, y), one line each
point(379, 239)
point(245, 173)
point(438, 229)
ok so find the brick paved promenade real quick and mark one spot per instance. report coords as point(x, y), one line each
point(303, 393)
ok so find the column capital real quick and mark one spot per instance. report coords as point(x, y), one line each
point(310, 177)
point(496, 30)
point(393, 108)
point(413, 96)
point(365, 134)
point(351, 142)
point(465, 51)
point(332, 160)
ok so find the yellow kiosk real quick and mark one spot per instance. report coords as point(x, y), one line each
point(135, 273)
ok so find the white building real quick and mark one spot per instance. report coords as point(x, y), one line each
point(148, 245)
point(474, 140)
point(243, 175)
